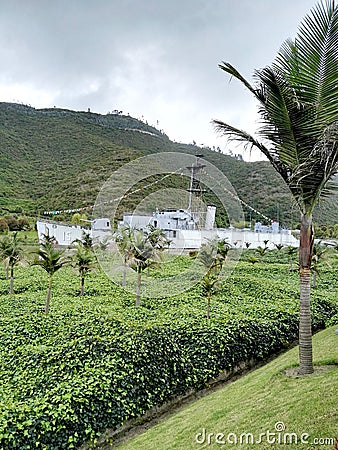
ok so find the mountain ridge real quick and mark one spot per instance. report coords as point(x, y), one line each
point(53, 158)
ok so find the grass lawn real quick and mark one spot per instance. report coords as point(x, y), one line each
point(260, 402)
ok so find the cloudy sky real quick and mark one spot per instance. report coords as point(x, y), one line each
point(156, 59)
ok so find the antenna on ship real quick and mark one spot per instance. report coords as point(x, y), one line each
point(195, 188)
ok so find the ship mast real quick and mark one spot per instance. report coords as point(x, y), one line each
point(195, 188)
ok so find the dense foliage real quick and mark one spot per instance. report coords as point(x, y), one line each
point(97, 360)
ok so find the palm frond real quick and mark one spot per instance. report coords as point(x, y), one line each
point(315, 174)
point(236, 134)
point(279, 117)
point(230, 69)
point(310, 64)
point(298, 106)
point(49, 258)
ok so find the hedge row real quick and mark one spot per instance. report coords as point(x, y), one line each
point(72, 390)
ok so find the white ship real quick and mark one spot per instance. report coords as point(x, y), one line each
point(186, 229)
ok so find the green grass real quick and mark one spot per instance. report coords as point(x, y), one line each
point(255, 403)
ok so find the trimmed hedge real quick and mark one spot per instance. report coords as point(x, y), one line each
point(72, 390)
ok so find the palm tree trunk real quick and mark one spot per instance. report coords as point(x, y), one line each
point(82, 286)
point(48, 294)
point(208, 306)
point(124, 273)
point(6, 266)
point(11, 282)
point(305, 332)
point(138, 288)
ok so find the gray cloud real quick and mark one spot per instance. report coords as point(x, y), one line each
point(154, 58)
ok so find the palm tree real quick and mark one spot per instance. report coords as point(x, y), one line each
point(123, 239)
point(212, 255)
point(83, 260)
point(51, 260)
point(279, 247)
point(141, 255)
point(209, 283)
point(253, 260)
point(222, 251)
point(261, 251)
point(291, 251)
point(157, 238)
point(86, 241)
point(298, 105)
point(208, 257)
point(11, 252)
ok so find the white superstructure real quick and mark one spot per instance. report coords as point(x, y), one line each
point(181, 229)
point(65, 234)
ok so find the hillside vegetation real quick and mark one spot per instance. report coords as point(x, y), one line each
point(59, 159)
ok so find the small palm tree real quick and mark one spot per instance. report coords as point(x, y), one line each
point(261, 251)
point(279, 247)
point(86, 241)
point(298, 105)
point(222, 251)
point(103, 245)
point(11, 252)
point(291, 251)
point(4, 243)
point(157, 238)
point(51, 260)
point(208, 257)
point(209, 287)
point(253, 260)
point(141, 255)
point(123, 239)
point(83, 260)
point(212, 255)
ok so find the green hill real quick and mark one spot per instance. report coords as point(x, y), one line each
point(58, 159)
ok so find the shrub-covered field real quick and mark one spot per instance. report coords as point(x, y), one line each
point(95, 361)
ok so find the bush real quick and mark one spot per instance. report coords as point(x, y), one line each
point(88, 384)
point(23, 224)
point(3, 226)
point(14, 224)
